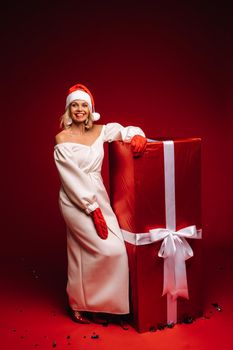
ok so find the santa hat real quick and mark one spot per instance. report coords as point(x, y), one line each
point(81, 92)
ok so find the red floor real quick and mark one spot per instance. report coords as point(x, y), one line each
point(33, 312)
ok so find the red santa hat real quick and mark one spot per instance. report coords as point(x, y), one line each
point(81, 92)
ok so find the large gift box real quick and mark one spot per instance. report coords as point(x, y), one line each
point(157, 200)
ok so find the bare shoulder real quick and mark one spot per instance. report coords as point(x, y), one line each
point(97, 128)
point(61, 137)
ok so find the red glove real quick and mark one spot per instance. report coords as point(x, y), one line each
point(100, 223)
point(138, 143)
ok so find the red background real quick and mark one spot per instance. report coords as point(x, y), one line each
point(165, 67)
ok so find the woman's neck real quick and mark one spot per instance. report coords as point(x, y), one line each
point(78, 129)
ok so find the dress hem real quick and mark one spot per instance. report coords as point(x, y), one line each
point(104, 312)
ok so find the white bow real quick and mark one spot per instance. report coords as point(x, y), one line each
point(175, 250)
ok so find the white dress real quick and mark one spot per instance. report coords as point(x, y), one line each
point(98, 278)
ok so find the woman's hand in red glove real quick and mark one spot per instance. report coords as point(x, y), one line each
point(138, 144)
point(100, 223)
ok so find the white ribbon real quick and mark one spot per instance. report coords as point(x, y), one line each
point(175, 249)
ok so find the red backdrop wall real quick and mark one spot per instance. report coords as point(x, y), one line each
point(164, 67)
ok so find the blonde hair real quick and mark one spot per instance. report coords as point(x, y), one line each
point(66, 121)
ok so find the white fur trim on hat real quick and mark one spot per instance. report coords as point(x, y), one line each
point(79, 95)
point(95, 116)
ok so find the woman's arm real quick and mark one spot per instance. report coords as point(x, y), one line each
point(115, 131)
point(131, 134)
point(75, 182)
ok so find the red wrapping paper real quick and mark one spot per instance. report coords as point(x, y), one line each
point(137, 194)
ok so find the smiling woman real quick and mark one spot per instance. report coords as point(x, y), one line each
point(80, 121)
point(98, 278)
point(79, 110)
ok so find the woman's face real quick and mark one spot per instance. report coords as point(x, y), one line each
point(79, 110)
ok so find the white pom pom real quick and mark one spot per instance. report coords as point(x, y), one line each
point(96, 116)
